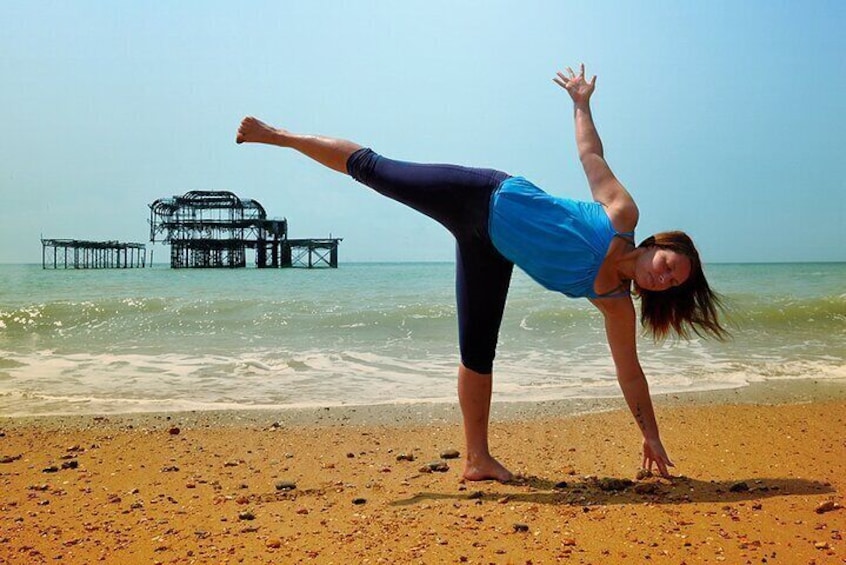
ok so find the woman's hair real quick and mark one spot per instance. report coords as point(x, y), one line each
point(691, 305)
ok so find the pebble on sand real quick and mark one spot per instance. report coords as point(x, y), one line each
point(520, 527)
point(450, 454)
point(435, 467)
point(286, 485)
point(827, 506)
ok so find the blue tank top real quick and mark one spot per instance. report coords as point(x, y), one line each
point(560, 243)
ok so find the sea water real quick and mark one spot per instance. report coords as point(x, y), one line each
point(158, 339)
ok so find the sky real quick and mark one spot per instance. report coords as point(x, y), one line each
point(725, 119)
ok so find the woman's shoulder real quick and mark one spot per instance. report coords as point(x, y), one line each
point(623, 214)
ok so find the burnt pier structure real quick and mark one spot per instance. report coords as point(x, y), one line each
point(83, 254)
point(214, 229)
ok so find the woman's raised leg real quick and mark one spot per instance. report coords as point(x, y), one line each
point(328, 151)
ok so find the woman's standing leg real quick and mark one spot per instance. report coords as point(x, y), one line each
point(482, 280)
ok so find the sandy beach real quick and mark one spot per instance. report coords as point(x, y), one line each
point(760, 476)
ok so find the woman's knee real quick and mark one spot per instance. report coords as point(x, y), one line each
point(361, 163)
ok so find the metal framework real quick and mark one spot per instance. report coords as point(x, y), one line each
point(215, 228)
point(82, 254)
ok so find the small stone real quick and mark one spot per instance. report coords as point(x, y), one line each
point(73, 464)
point(246, 515)
point(821, 545)
point(286, 485)
point(560, 485)
point(435, 467)
point(359, 501)
point(405, 457)
point(274, 543)
point(170, 469)
point(174, 431)
point(50, 469)
point(739, 487)
point(242, 500)
point(302, 511)
point(450, 454)
point(644, 474)
point(9, 458)
point(476, 495)
point(352, 456)
point(520, 527)
point(827, 506)
point(568, 542)
point(231, 464)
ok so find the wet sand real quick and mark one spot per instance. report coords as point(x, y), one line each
point(760, 476)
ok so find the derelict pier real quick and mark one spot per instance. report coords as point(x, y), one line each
point(214, 229)
point(82, 254)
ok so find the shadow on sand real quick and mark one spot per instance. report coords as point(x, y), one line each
point(608, 491)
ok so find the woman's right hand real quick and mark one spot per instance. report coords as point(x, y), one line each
point(577, 86)
point(654, 454)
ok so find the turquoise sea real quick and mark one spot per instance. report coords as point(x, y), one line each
point(156, 339)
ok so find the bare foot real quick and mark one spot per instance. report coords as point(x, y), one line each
point(253, 130)
point(485, 469)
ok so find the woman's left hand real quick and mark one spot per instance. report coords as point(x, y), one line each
point(577, 86)
point(655, 455)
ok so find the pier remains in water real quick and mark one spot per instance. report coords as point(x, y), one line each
point(84, 254)
point(214, 229)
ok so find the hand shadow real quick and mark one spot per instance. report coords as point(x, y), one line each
point(606, 491)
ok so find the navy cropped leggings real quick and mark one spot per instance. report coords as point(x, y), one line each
point(458, 198)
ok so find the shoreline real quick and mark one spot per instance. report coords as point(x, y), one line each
point(759, 478)
point(770, 392)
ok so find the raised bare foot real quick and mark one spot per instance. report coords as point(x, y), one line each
point(486, 469)
point(253, 130)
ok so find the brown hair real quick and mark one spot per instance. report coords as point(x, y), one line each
point(690, 306)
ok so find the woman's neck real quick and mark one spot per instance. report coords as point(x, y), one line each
point(626, 262)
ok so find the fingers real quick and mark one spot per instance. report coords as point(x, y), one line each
point(581, 70)
point(572, 74)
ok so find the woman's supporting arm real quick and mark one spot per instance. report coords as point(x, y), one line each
point(620, 330)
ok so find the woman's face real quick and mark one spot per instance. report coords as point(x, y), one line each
point(659, 269)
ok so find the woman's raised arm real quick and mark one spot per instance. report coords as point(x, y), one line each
point(604, 186)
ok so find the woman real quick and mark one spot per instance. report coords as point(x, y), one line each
point(578, 248)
